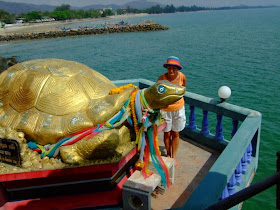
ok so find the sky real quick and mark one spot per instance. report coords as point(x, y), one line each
point(206, 3)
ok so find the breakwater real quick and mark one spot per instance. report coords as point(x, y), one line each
point(83, 32)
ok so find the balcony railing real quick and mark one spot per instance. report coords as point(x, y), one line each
point(238, 159)
point(252, 190)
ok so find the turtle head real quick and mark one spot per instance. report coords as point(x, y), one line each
point(163, 93)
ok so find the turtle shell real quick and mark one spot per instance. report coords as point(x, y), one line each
point(49, 99)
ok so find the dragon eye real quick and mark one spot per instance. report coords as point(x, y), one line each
point(161, 89)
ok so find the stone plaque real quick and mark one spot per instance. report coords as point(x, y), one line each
point(10, 152)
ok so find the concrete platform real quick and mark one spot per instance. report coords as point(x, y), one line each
point(195, 162)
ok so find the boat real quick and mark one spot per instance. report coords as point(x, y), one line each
point(213, 167)
point(65, 28)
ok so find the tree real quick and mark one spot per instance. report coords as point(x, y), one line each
point(107, 12)
point(129, 10)
point(121, 11)
point(34, 15)
point(154, 10)
point(46, 13)
point(6, 17)
point(169, 9)
point(58, 15)
point(3, 14)
point(63, 7)
point(93, 13)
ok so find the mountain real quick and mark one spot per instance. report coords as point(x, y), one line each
point(142, 4)
point(176, 3)
point(101, 6)
point(17, 8)
point(134, 4)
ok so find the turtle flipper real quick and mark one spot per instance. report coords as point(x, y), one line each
point(101, 146)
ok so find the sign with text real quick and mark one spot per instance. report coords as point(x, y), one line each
point(10, 152)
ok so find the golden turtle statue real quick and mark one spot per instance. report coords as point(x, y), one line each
point(49, 99)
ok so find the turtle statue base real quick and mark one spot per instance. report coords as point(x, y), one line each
point(50, 181)
point(32, 161)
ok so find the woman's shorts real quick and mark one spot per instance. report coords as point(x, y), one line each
point(176, 120)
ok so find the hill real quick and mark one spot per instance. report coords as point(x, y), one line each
point(17, 8)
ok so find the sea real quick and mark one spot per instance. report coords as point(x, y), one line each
point(236, 48)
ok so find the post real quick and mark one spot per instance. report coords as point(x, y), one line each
point(205, 123)
point(219, 128)
point(192, 124)
point(278, 182)
point(235, 127)
point(246, 193)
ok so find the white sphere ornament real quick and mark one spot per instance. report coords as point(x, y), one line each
point(224, 92)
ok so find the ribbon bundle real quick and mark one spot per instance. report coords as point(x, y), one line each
point(53, 150)
point(147, 121)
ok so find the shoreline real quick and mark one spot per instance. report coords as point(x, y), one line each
point(147, 25)
point(55, 25)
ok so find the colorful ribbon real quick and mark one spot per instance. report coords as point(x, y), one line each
point(53, 150)
point(146, 139)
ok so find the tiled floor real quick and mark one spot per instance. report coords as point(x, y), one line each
point(195, 162)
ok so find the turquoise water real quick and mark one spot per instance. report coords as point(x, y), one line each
point(237, 48)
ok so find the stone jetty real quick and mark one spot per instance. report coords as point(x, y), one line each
point(145, 26)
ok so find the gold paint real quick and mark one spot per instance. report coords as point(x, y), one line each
point(107, 107)
point(124, 134)
point(6, 80)
point(94, 84)
point(4, 84)
point(75, 122)
point(25, 90)
point(27, 120)
point(7, 116)
point(101, 146)
point(48, 127)
point(157, 100)
point(31, 160)
point(61, 96)
point(104, 145)
point(48, 99)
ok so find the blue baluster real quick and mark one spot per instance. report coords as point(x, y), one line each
point(249, 153)
point(234, 127)
point(238, 174)
point(244, 162)
point(224, 194)
point(219, 128)
point(231, 185)
point(205, 123)
point(192, 124)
